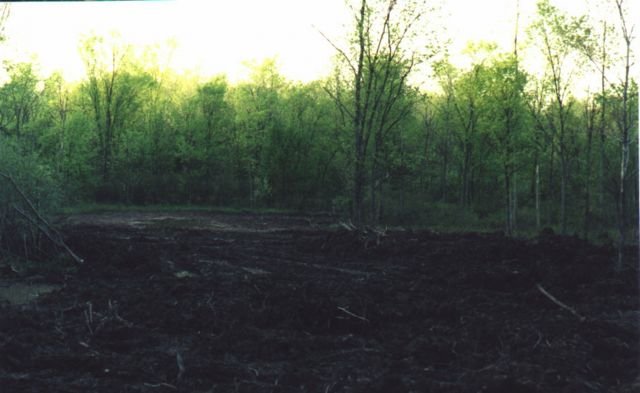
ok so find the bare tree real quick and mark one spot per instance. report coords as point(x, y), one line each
point(370, 87)
point(553, 27)
point(625, 123)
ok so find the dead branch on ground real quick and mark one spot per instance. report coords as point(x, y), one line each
point(39, 222)
point(559, 303)
point(344, 310)
point(160, 385)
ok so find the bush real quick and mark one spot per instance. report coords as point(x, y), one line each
point(26, 187)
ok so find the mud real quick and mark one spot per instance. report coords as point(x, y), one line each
point(203, 302)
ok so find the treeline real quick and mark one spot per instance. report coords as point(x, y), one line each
point(495, 147)
point(135, 135)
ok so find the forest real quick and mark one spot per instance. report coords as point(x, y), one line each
point(492, 147)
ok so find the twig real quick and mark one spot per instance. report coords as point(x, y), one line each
point(559, 303)
point(88, 317)
point(538, 341)
point(329, 387)
point(337, 48)
point(344, 310)
point(181, 369)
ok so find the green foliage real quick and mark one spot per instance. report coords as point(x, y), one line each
point(23, 175)
point(476, 155)
point(19, 99)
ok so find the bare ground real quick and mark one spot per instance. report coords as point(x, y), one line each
point(203, 302)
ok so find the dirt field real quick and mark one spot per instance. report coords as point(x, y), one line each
point(199, 302)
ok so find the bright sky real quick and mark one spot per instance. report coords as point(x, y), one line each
point(218, 36)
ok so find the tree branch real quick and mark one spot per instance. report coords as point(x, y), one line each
point(39, 222)
point(339, 50)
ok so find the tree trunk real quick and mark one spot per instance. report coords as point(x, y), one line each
point(466, 169)
point(603, 92)
point(374, 188)
point(443, 175)
point(564, 178)
point(622, 220)
point(625, 126)
point(587, 194)
point(358, 192)
point(537, 196)
point(551, 194)
point(359, 124)
point(508, 202)
point(514, 208)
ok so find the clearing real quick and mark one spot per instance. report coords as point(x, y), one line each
point(212, 302)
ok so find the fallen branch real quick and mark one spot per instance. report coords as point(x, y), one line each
point(59, 242)
point(559, 303)
point(160, 385)
point(22, 194)
point(284, 260)
point(348, 226)
point(344, 310)
point(39, 222)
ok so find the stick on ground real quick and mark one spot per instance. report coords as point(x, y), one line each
point(559, 303)
point(344, 310)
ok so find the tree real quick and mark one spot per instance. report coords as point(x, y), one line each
point(113, 88)
point(593, 43)
point(258, 110)
point(465, 112)
point(625, 124)
point(216, 136)
point(20, 96)
point(58, 100)
point(370, 84)
point(507, 109)
point(446, 113)
point(552, 26)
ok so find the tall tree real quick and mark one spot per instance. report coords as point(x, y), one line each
point(552, 27)
point(466, 92)
point(258, 110)
point(113, 88)
point(58, 95)
point(625, 121)
point(592, 40)
point(446, 73)
point(506, 109)
point(375, 67)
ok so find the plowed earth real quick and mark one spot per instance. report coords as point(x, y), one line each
point(203, 302)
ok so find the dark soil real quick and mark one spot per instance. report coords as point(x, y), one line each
point(270, 303)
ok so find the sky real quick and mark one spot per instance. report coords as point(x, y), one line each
point(221, 36)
